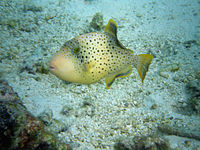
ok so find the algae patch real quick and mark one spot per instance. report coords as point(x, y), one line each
point(97, 22)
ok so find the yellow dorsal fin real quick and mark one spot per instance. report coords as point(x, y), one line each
point(121, 74)
point(143, 62)
point(111, 27)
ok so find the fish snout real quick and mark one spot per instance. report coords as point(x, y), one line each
point(52, 65)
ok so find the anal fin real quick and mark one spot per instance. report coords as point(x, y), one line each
point(121, 74)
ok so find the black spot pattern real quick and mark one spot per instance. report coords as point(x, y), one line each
point(97, 53)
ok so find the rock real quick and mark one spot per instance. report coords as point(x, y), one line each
point(152, 142)
point(189, 43)
point(21, 130)
point(120, 146)
point(197, 75)
point(175, 129)
point(193, 90)
point(154, 106)
point(31, 6)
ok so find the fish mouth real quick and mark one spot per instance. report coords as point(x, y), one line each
point(51, 68)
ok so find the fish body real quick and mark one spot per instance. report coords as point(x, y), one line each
point(90, 57)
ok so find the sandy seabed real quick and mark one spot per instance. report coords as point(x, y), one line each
point(90, 117)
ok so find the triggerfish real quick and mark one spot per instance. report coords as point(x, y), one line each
point(90, 57)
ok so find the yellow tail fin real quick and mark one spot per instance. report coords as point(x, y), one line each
point(143, 62)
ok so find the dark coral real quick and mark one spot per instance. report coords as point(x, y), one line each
point(21, 130)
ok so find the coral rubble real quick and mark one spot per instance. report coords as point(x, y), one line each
point(21, 130)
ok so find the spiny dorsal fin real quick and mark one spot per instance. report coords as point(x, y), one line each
point(111, 27)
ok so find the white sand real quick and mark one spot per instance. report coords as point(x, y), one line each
point(159, 27)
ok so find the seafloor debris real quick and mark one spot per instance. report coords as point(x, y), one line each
point(165, 69)
point(175, 130)
point(152, 142)
point(193, 90)
point(97, 22)
point(29, 5)
point(182, 126)
point(19, 129)
point(188, 44)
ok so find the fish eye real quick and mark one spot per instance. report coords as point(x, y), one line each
point(76, 50)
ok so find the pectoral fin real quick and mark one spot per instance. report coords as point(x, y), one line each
point(121, 74)
point(89, 67)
